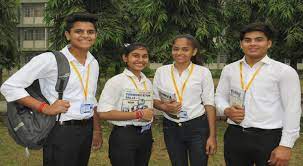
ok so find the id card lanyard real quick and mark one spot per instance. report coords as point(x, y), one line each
point(180, 95)
point(134, 83)
point(246, 87)
point(85, 88)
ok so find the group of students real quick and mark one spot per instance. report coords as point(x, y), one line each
point(259, 96)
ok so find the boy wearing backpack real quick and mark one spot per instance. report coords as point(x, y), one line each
point(69, 142)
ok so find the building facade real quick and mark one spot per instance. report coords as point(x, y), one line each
point(32, 31)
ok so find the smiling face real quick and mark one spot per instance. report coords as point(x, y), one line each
point(183, 50)
point(82, 35)
point(255, 45)
point(136, 60)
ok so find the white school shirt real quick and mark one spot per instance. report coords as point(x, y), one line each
point(272, 101)
point(44, 68)
point(111, 97)
point(199, 90)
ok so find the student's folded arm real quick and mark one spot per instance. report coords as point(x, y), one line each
point(117, 115)
point(158, 104)
point(109, 101)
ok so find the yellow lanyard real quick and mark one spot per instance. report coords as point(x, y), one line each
point(137, 88)
point(252, 78)
point(180, 96)
point(85, 89)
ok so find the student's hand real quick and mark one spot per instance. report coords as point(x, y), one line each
point(235, 113)
point(97, 140)
point(148, 114)
point(59, 106)
point(211, 145)
point(280, 156)
point(173, 107)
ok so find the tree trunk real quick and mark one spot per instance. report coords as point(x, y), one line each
point(1, 79)
point(293, 63)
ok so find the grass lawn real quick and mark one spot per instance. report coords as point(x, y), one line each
point(13, 155)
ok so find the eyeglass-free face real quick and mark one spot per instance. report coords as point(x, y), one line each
point(255, 45)
point(82, 35)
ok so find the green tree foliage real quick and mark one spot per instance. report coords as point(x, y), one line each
point(154, 22)
point(215, 23)
point(8, 48)
point(113, 26)
point(160, 21)
point(286, 17)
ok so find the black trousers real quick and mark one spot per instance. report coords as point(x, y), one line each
point(68, 145)
point(187, 141)
point(129, 147)
point(249, 146)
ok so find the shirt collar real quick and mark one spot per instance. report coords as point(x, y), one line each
point(265, 60)
point(70, 56)
point(132, 75)
point(187, 69)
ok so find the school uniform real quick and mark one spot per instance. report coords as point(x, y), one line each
point(69, 142)
point(130, 141)
point(185, 134)
point(272, 109)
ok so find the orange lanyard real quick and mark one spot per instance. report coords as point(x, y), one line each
point(180, 96)
point(85, 89)
point(245, 88)
point(137, 88)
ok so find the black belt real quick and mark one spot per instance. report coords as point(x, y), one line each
point(128, 126)
point(189, 122)
point(254, 129)
point(82, 122)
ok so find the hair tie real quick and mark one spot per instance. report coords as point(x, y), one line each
point(126, 44)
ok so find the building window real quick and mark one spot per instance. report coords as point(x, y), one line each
point(28, 11)
point(28, 34)
point(39, 34)
point(34, 34)
point(39, 11)
point(33, 11)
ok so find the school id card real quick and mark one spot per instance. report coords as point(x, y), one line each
point(86, 108)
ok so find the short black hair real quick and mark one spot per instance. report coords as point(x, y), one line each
point(133, 46)
point(258, 26)
point(79, 16)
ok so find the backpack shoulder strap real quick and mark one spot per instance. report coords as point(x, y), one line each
point(63, 72)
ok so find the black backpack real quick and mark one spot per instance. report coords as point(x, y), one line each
point(30, 128)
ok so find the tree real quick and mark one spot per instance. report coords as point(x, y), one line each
point(112, 26)
point(160, 21)
point(8, 45)
point(154, 22)
point(285, 16)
